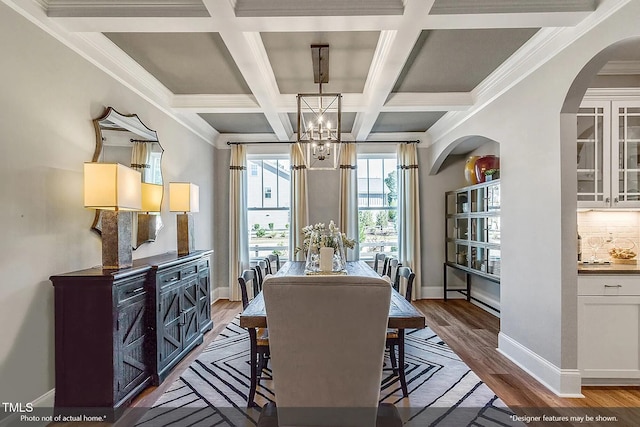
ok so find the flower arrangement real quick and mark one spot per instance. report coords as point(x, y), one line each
point(316, 235)
point(493, 173)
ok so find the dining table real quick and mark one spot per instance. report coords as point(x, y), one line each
point(402, 315)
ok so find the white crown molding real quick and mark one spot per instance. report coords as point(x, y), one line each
point(542, 47)
point(618, 93)
point(620, 68)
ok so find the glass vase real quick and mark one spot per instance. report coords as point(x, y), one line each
point(326, 253)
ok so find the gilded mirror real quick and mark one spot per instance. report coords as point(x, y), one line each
point(126, 140)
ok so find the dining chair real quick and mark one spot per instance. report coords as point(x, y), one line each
point(391, 270)
point(272, 259)
point(395, 337)
point(261, 268)
point(249, 278)
point(378, 262)
point(327, 337)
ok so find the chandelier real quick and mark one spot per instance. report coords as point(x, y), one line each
point(320, 118)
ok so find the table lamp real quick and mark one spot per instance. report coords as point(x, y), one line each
point(184, 197)
point(148, 218)
point(116, 190)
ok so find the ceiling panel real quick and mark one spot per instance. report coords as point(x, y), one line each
point(258, 8)
point(444, 7)
point(126, 8)
point(350, 56)
point(238, 123)
point(458, 60)
point(406, 122)
point(186, 63)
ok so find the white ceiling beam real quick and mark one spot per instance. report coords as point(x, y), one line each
point(317, 23)
point(443, 101)
point(351, 102)
point(389, 59)
point(251, 58)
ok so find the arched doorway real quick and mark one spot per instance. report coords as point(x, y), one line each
point(603, 184)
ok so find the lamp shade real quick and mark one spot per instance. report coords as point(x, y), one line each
point(112, 186)
point(184, 197)
point(151, 197)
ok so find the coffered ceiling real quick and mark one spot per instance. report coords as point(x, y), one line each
point(230, 69)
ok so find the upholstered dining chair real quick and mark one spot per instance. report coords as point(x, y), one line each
point(249, 280)
point(327, 338)
point(403, 280)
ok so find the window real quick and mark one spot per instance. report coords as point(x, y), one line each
point(268, 202)
point(377, 204)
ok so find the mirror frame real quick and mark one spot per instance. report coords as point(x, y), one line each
point(132, 124)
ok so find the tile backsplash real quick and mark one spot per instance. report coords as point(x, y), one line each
point(614, 225)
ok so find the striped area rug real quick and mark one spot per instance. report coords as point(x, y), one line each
point(443, 391)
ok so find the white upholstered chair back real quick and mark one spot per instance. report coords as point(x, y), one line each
point(327, 339)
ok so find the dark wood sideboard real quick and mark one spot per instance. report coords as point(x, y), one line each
point(119, 331)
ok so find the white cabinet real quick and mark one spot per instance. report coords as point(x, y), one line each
point(609, 329)
point(608, 162)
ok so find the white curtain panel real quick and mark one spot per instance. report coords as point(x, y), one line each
point(141, 158)
point(299, 210)
point(348, 219)
point(238, 228)
point(409, 213)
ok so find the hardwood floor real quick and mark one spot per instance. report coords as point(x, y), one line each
point(473, 334)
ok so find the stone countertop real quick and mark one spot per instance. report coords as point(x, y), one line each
point(608, 269)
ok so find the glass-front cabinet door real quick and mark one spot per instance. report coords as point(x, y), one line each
point(608, 142)
point(594, 155)
point(625, 138)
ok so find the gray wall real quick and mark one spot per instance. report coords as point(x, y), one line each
point(48, 98)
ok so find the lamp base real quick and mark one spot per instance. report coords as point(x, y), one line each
point(186, 240)
point(116, 239)
point(147, 228)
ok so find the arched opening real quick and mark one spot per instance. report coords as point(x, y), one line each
point(466, 145)
point(593, 129)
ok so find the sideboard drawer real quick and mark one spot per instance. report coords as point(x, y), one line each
point(189, 269)
point(130, 289)
point(609, 285)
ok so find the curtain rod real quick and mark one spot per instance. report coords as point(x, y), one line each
point(417, 141)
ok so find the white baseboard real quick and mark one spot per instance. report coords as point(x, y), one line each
point(435, 292)
point(219, 293)
point(563, 382)
point(431, 292)
point(45, 401)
